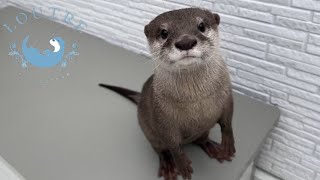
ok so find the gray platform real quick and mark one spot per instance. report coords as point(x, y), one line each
point(57, 124)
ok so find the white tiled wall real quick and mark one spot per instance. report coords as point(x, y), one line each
point(3, 3)
point(272, 48)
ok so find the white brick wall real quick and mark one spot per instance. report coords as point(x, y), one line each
point(271, 46)
point(3, 3)
point(261, 175)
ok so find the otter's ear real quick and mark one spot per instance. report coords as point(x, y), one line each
point(217, 18)
point(147, 30)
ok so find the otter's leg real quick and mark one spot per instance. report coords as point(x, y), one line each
point(226, 149)
point(213, 149)
point(174, 163)
point(183, 163)
point(167, 168)
point(225, 122)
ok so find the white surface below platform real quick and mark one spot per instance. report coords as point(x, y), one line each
point(7, 172)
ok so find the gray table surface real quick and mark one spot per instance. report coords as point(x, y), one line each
point(57, 124)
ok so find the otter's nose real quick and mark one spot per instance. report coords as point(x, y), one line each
point(186, 43)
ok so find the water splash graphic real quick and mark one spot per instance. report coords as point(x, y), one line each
point(16, 55)
point(70, 55)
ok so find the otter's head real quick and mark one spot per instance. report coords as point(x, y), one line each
point(183, 38)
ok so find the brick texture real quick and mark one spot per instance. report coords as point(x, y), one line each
point(272, 48)
point(3, 3)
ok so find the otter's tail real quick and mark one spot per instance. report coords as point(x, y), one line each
point(133, 96)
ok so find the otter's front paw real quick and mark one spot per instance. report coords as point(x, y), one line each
point(184, 167)
point(220, 152)
point(167, 169)
point(228, 145)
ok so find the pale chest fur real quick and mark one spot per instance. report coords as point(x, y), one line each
point(192, 103)
point(194, 118)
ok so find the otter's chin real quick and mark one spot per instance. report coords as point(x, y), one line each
point(187, 62)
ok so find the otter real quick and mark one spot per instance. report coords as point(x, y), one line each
point(189, 92)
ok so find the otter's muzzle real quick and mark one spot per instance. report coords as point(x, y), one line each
point(186, 43)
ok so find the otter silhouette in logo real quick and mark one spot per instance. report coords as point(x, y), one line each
point(47, 58)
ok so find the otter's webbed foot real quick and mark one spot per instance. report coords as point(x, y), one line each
point(184, 167)
point(227, 144)
point(170, 170)
point(167, 169)
point(222, 152)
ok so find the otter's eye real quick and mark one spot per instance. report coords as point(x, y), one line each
point(164, 34)
point(202, 27)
